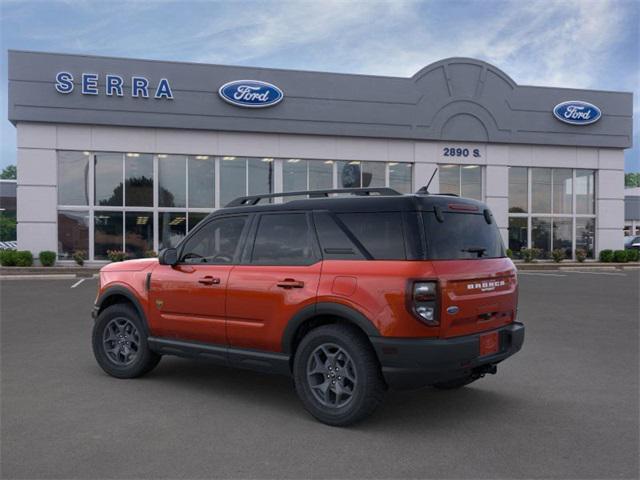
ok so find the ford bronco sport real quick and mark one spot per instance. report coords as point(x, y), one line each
point(350, 294)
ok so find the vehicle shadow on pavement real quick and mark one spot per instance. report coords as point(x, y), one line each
point(275, 394)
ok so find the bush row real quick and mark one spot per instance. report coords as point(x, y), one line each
point(619, 256)
point(24, 258)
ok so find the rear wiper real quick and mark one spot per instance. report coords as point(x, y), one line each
point(479, 250)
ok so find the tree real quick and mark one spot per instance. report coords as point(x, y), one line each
point(9, 173)
point(632, 180)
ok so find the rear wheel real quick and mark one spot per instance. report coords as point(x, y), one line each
point(120, 344)
point(337, 375)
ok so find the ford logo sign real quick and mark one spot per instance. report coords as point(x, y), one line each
point(250, 93)
point(577, 112)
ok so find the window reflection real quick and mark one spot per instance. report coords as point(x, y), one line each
point(138, 170)
point(73, 178)
point(518, 190)
point(517, 235)
point(562, 190)
point(541, 190)
point(585, 191)
point(172, 181)
point(73, 233)
point(541, 235)
point(449, 179)
point(471, 181)
point(107, 232)
point(108, 179)
point(233, 179)
point(172, 227)
point(138, 233)
point(401, 177)
point(201, 181)
point(585, 235)
point(563, 235)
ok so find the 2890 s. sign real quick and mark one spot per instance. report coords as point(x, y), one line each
point(577, 112)
point(250, 93)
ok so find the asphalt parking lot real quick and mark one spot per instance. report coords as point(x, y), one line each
point(565, 407)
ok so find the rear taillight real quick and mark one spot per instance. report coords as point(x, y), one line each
point(424, 296)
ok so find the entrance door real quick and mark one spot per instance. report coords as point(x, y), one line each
point(188, 300)
point(281, 277)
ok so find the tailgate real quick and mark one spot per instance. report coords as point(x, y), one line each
point(476, 295)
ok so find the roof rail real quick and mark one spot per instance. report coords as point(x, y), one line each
point(364, 192)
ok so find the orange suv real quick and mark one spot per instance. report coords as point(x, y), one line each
point(349, 291)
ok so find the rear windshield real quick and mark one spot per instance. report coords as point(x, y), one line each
point(461, 236)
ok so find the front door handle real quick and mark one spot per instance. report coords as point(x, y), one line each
point(209, 280)
point(290, 283)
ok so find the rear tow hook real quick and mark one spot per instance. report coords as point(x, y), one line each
point(483, 370)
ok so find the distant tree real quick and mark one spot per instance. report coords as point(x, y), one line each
point(632, 179)
point(9, 173)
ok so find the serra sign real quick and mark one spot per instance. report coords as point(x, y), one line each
point(250, 93)
point(113, 85)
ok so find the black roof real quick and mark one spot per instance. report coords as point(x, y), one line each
point(374, 203)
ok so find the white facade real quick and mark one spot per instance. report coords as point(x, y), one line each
point(37, 194)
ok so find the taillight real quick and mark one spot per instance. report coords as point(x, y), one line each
point(424, 296)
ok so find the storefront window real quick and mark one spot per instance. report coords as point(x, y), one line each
point(349, 174)
point(585, 192)
point(260, 175)
point(373, 174)
point(541, 190)
point(585, 235)
point(320, 174)
point(401, 176)
point(108, 179)
point(517, 235)
point(202, 178)
point(541, 235)
point(233, 179)
point(562, 190)
point(138, 171)
point(518, 190)
point(172, 227)
point(172, 191)
point(73, 233)
point(138, 233)
point(563, 235)
point(463, 180)
point(107, 233)
point(449, 179)
point(73, 178)
point(294, 175)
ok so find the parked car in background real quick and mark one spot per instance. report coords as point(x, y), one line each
point(632, 241)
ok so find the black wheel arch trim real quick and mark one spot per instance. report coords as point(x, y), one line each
point(325, 308)
point(125, 292)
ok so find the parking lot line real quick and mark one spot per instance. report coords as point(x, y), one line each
point(598, 273)
point(78, 283)
point(543, 274)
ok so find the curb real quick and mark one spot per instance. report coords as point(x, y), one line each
point(583, 266)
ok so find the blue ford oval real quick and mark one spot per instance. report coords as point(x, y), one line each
point(577, 112)
point(250, 93)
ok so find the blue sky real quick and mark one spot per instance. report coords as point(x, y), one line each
point(568, 43)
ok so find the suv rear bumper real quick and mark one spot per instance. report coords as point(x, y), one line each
point(413, 363)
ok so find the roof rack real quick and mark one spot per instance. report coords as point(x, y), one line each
point(362, 192)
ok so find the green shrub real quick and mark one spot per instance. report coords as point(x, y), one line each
point(620, 256)
point(150, 254)
point(558, 255)
point(633, 255)
point(606, 256)
point(530, 254)
point(581, 254)
point(47, 258)
point(80, 256)
point(116, 255)
point(8, 258)
point(24, 258)
point(509, 253)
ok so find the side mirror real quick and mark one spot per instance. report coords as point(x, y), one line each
point(168, 256)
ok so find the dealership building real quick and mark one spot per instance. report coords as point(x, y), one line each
point(127, 154)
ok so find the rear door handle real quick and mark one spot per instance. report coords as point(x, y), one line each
point(290, 283)
point(208, 280)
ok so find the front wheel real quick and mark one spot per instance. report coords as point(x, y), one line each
point(337, 375)
point(120, 344)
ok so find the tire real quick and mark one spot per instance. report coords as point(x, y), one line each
point(130, 356)
point(454, 384)
point(359, 386)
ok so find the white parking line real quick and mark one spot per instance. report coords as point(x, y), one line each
point(543, 274)
point(598, 273)
point(78, 283)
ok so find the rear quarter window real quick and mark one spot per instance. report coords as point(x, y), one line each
point(461, 236)
point(380, 233)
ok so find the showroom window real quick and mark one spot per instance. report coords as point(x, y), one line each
point(462, 180)
point(551, 208)
point(140, 202)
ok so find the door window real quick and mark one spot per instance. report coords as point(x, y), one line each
point(215, 243)
point(283, 239)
